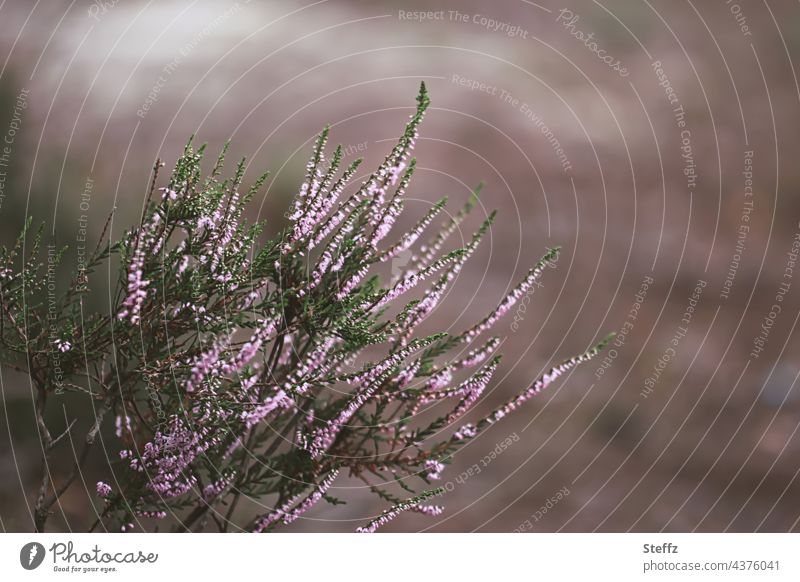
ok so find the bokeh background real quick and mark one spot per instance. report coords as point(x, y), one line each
point(699, 433)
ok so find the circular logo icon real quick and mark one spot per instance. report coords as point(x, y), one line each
point(31, 555)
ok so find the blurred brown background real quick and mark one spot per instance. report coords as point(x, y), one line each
point(573, 152)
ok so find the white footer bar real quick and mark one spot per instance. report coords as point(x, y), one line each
point(445, 557)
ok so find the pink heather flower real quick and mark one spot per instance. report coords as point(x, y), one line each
point(250, 299)
point(321, 203)
point(352, 283)
point(419, 312)
point(167, 194)
point(369, 380)
point(312, 499)
point(440, 379)
point(213, 490)
point(377, 193)
point(395, 171)
point(429, 510)
point(206, 363)
point(390, 514)
point(430, 251)
point(205, 223)
point(407, 374)
point(381, 219)
point(426, 306)
point(465, 432)
point(384, 219)
point(150, 515)
point(328, 226)
point(433, 468)
point(473, 388)
point(478, 355)
point(412, 280)
point(103, 489)
point(470, 389)
point(260, 412)
point(233, 447)
point(300, 371)
point(331, 249)
point(376, 371)
point(295, 383)
point(246, 384)
point(218, 245)
point(211, 361)
point(287, 514)
point(508, 302)
point(223, 239)
point(183, 264)
point(287, 350)
point(540, 384)
point(410, 237)
point(322, 438)
point(169, 454)
point(122, 423)
point(386, 222)
point(250, 348)
point(345, 210)
point(62, 345)
point(146, 244)
point(301, 220)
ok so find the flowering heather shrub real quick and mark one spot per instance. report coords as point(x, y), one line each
point(266, 371)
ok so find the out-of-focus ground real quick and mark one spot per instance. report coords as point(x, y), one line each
point(712, 446)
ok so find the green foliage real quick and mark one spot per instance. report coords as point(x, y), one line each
point(242, 368)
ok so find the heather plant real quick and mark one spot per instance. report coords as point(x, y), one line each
point(235, 368)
